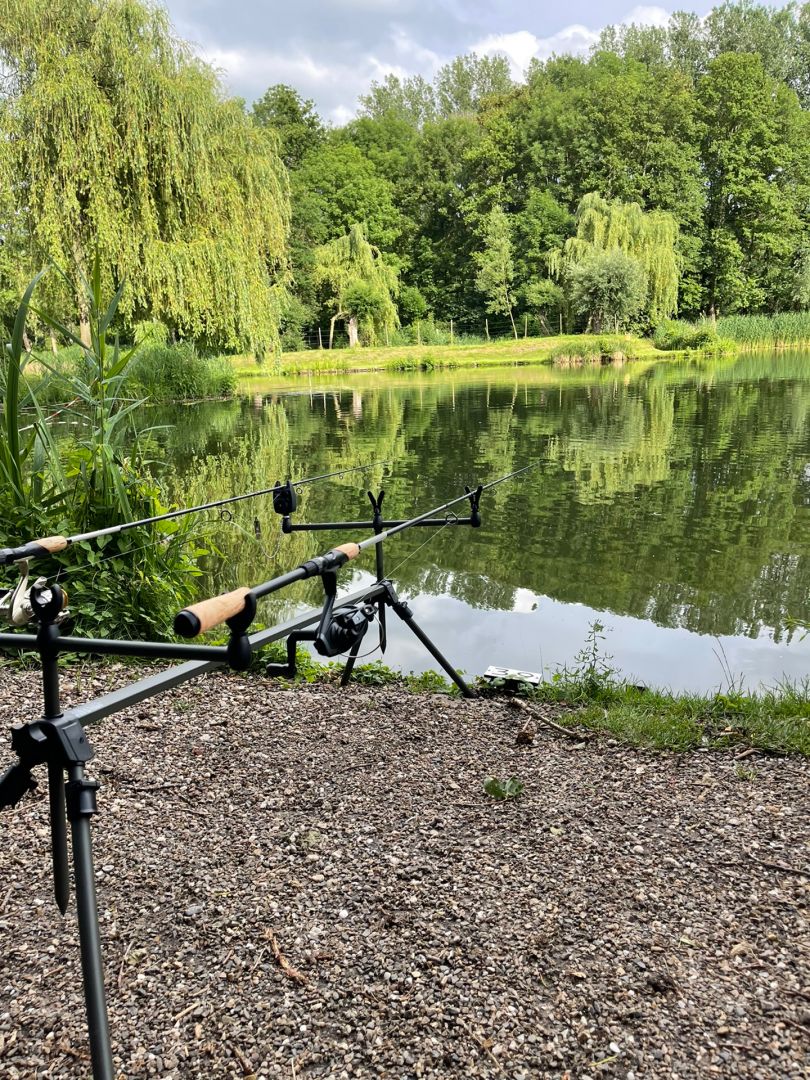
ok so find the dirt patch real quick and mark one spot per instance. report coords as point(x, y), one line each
point(312, 882)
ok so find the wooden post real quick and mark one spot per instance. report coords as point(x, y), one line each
point(486, 327)
point(451, 331)
point(320, 338)
point(525, 327)
point(560, 322)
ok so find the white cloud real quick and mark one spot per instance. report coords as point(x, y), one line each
point(330, 55)
point(522, 46)
point(646, 16)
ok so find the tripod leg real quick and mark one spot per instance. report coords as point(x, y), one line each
point(59, 855)
point(404, 612)
point(81, 803)
point(347, 671)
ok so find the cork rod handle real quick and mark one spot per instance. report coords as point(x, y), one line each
point(204, 615)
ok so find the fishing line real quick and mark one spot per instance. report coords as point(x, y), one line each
point(451, 519)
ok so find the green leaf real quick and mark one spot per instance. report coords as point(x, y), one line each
point(503, 789)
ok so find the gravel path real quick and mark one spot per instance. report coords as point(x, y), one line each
point(300, 883)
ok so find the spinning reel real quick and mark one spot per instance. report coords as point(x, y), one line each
point(338, 632)
point(22, 604)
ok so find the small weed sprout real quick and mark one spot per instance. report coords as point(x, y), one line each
point(504, 789)
point(745, 772)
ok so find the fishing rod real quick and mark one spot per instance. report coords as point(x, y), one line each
point(58, 741)
point(284, 501)
point(239, 605)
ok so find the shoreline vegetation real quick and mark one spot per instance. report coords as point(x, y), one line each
point(164, 372)
point(590, 699)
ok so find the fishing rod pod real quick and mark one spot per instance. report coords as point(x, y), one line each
point(228, 607)
point(57, 740)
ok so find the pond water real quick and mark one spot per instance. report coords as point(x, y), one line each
point(671, 505)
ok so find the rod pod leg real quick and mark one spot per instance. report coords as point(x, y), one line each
point(81, 805)
point(404, 613)
point(346, 674)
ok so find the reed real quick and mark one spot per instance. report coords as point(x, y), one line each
point(774, 331)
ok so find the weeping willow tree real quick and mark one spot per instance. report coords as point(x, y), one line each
point(115, 139)
point(361, 286)
point(650, 237)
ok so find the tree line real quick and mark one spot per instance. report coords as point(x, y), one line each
point(668, 171)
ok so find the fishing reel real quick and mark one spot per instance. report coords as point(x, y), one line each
point(338, 631)
point(24, 604)
point(345, 630)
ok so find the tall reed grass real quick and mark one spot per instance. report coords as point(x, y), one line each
point(782, 329)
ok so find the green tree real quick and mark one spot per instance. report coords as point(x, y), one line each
point(360, 284)
point(116, 140)
point(465, 82)
point(294, 119)
point(411, 100)
point(433, 198)
point(649, 238)
point(610, 287)
point(496, 268)
point(756, 155)
point(335, 186)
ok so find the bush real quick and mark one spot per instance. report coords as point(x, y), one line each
point(95, 477)
point(674, 334)
point(179, 373)
point(610, 288)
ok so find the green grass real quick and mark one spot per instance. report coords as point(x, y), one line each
point(506, 353)
point(776, 721)
point(766, 331)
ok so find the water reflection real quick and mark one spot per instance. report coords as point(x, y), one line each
point(672, 503)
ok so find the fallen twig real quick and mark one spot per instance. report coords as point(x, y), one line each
point(283, 962)
point(244, 1061)
point(795, 1023)
point(186, 1011)
point(778, 866)
point(568, 733)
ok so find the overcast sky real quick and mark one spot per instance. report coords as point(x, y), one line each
point(331, 51)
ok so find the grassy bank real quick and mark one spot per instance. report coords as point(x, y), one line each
point(776, 721)
point(563, 349)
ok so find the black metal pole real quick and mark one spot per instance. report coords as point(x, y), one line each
point(380, 565)
point(288, 526)
point(47, 642)
point(81, 804)
point(404, 612)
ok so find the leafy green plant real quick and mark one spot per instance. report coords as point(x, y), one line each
point(672, 334)
point(504, 789)
point(98, 476)
point(591, 674)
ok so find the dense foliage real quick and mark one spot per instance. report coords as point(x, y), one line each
point(116, 140)
point(488, 201)
point(86, 466)
point(470, 184)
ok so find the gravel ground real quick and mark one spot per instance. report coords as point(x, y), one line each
point(308, 882)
